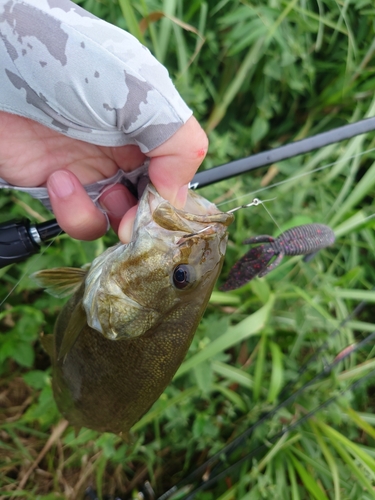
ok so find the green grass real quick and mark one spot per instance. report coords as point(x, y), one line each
point(268, 72)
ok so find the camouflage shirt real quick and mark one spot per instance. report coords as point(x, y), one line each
point(77, 74)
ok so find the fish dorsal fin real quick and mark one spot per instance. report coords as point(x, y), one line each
point(76, 323)
point(60, 281)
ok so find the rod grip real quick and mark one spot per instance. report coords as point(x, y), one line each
point(16, 243)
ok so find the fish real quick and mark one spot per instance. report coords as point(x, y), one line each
point(306, 239)
point(126, 329)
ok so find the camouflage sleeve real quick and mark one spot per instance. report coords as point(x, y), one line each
point(74, 73)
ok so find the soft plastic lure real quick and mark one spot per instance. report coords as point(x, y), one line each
point(299, 240)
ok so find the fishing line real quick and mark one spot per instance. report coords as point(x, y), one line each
point(130, 180)
point(231, 447)
point(269, 213)
point(298, 176)
point(256, 202)
point(290, 179)
point(104, 190)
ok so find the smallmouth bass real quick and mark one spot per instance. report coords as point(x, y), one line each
point(122, 336)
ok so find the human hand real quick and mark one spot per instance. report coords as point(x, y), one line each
point(34, 155)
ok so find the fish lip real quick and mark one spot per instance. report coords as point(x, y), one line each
point(196, 209)
point(158, 214)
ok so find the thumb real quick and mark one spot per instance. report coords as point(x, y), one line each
point(174, 163)
point(172, 166)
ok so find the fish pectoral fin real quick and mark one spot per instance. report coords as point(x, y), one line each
point(76, 323)
point(60, 281)
point(48, 344)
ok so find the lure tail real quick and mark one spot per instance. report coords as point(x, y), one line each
point(253, 263)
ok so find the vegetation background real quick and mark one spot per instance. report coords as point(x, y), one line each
point(257, 74)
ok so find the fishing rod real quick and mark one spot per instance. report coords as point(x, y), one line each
point(20, 239)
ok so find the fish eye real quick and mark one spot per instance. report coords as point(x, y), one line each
point(183, 276)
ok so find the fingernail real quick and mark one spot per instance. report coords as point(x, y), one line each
point(61, 184)
point(115, 203)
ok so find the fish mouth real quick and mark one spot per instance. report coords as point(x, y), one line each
point(158, 215)
point(196, 213)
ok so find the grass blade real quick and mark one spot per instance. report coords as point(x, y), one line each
point(277, 374)
point(307, 479)
point(250, 326)
point(330, 460)
point(131, 19)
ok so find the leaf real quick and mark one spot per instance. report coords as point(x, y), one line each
point(362, 189)
point(232, 396)
point(357, 452)
point(259, 367)
point(36, 379)
point(246, 69)
point(203, 376)
point(234, 374)
point(277, 374)
point(163, 403)
point(307, 479)
point(362, 424)
point(340, 442)
point(367, 295)
point(23, 354)
point(329, 458)
point(131, 20)
point(259, 129)
point(293, 481)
